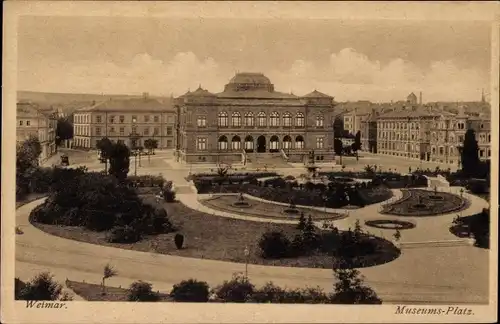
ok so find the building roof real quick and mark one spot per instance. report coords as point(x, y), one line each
point(316, 94)
point(30, 109)
point(200, 92)
point(415, 112)
point(256, 94)
point(250, 78)
point(126, 105)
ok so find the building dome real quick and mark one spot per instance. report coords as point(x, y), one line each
point(250, 78)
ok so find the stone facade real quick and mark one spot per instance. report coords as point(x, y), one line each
point(119, 119)
point(250, 118)
point(31, 121)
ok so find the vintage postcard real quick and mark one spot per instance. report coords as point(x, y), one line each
point(250, 162)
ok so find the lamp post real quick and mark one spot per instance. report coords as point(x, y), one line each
point(461, 192)
point(247, 254)
point(133, 143)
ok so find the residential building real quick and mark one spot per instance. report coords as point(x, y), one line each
point(33, 121)
point(129, 120)
point(250, 118)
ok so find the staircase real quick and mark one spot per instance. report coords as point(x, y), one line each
point(269, 160)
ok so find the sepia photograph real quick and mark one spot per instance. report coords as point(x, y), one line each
point(250, 162)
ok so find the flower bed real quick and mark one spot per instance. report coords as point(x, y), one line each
point(425, 203)
point(390, 224)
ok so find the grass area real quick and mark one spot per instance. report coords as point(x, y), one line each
point(215, 238)
point(93, 292)
point(264, 210)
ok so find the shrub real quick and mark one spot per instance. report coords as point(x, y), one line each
point(124, 234)
point(270, 293)
point(179, 241)
point(274, 245)
point(169, 196)
point(143, 292)
point(350, 289)
point(237, 290)
point(190, 291)
point(41, 287)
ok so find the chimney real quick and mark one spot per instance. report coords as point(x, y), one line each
point(145, 95)
point(420, 98)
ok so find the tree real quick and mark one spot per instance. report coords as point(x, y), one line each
point(338, 127)
point(190, 291)
point(143, 292)
point(349, 288)
point(105, 146)
point(338, 148)
point(41, 287)
point(357, 144)
point(119, 161)
point(309, 236)
point(274, 245)
point(302, 221)
point(469, 153)
point(107, 273)
point(27, 163)
point(64, 130)
point(150, 144)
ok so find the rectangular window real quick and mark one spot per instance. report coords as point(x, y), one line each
point(134, 119)
point(111, 119)
point(146, 131)
point(146, 118)
point(169, 130)
point(169, 144)
point(122, 119)
point(122, 131)
point(156, 119)
point(156, 131)
point(201, 121)
point(20, 123)
point(111, 129)
point(319, 142)
point(28, 123)
point(201, 144)
point(98, 119)
point(98, 131)
point(170, 119)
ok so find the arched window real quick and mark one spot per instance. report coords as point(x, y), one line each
point(274, 143)
point(222, 143)
point(249, 120)
point(249, 143)
point(287, 119)
point(236, 143)
point(320, 121)
point(287, 142)
point(236, 119)
point(299, 120)
point(274, 119)
point(222, 119)
point(261, 119)
point(299, 142)
point(433, 150)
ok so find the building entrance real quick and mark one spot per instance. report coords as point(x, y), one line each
point(261, 144)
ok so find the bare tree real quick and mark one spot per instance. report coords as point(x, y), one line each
point(108, 273)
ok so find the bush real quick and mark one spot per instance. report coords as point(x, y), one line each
point(124, 234)
point(350, 289)
point(271, 293)
point(143, 292)
point(237, 290)
point(190, 291)
point(179, 241)
point(41, 287)
point(169, 196)
point(274, 245)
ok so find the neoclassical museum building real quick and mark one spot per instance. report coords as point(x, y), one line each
point(250, 120)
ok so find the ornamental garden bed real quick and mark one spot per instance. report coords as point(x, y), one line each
point(390, 224)
point(263, 209)
point(418, 203)
point(331, 195)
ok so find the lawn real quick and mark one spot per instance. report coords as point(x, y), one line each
point(264, 210)
point(93, 292)
point(215, 238)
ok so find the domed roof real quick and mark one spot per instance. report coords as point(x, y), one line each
point(252, 78)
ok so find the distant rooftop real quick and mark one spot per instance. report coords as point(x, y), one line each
point(132, 105)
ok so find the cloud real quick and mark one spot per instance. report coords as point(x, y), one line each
point(347, 75)
point(350, 75)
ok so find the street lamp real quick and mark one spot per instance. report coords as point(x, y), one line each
point(247, 254)
point(133, 143)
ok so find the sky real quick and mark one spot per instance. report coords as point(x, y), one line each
point(351, 60)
